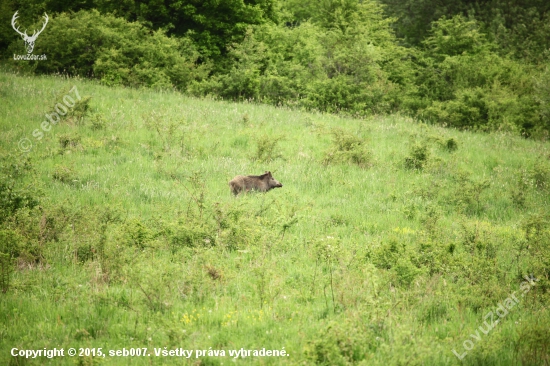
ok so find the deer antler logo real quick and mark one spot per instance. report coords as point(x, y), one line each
point(29, 40)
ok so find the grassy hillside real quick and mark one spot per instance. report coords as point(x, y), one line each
point(388, 244)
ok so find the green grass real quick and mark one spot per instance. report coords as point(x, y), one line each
point(138, 242)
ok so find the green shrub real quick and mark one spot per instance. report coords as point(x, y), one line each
point(11, 243)
point(84, 252)
point(399, 258)
point(418, 156)
point(450, 144)
point(64, 174)
point(341, 343)
point(137, 234)
point(6, 269)
point(79, 111)
point(456, 36)
point(98, 122)
point(347, 148)
point(462, 82)
point(35, 229)
point(237, 228)
point(272, 64)
point(467, 195)
point(355, 67)
point(191, 234)
point(69, 142)
point(534, 252)
point(76, 113)
point(542, 96)
point(266, 148)
point(518, 192)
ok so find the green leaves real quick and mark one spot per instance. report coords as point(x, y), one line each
point(456, 36)
point(118, 52)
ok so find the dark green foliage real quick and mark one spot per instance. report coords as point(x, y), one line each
point(454, 37)
point(464, 83)
point(211, 24)
point(418, 156)
point(353, 66)
point(519, 27)
point(450, 145)
point(272, 64)
point(416, 16)
point(7, 35)
point(116, 51)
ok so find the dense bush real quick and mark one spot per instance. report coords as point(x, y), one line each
point(462, 82)
point(272, 64)
point(351, 65)
point(116, 51)
point(347, 148)
point(211, 24)
point(520, 28)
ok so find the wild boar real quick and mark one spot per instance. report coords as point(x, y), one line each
point(262, 183)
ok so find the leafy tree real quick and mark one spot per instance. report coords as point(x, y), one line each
point(89, 44)
point(462, 82)
point(212, 24)
point(520, 27)
point(345, 59)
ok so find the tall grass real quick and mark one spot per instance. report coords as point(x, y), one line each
point(137, 241)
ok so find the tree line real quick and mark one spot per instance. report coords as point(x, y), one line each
point(466, 64)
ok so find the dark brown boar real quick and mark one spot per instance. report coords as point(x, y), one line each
point(262, 183)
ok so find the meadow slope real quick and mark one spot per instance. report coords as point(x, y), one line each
point(388, 244)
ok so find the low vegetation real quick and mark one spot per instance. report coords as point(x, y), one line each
point(388, 244)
